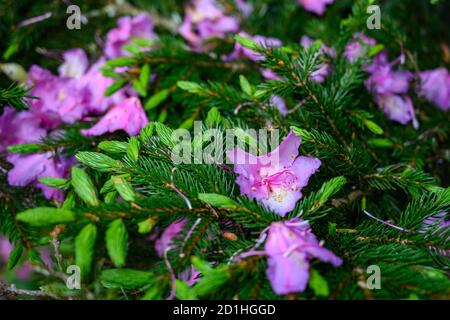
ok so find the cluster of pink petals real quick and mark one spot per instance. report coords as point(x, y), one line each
point(290, 247)
point(435, 86)
point(205, 19)
point(277, 178)
point(75, 94)
point(316, 6)
point(390, 88)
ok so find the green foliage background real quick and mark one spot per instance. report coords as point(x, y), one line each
point(369, 163)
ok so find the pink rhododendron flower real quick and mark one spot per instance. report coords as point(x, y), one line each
point(205, 19)
point(25, 270)
point(29, 168)
point(435, 86)
point(128, 28)
point(290, 247)
point(19, 127)
point(315, 6)
point(389, 88)
point(323, 69)
point(274, 179)
point(279, 103)
point(358, 48)
point(128, 116)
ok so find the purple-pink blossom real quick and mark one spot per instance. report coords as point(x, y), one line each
point(128, 116)
point(290, 246)
point(128, 28)
point(75, 64)
point(315, 6)
point(53, 106)
point(277, 178)
point(435, 86)
point(205, 19)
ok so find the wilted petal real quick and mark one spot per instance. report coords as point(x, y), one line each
point(127, 115)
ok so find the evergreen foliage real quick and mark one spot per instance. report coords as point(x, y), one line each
point(123, 192)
